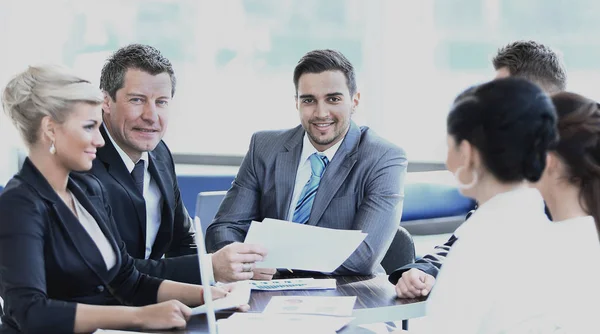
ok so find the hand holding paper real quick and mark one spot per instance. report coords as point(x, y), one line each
point(303, 247)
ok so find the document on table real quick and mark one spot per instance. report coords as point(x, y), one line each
point(340, 306)
point(294, 284)
point(278, 323)
point(240, 295)
point(115, 331)
point(303, 247)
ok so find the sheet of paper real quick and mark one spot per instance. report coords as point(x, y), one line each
point(240, 295)
point(114, 331)
point(303, 247)
point(278, 323)
point(340, 306)
point(294, 284)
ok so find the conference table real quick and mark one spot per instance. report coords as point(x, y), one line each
point(375, 302)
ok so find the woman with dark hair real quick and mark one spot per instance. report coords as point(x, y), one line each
point(499, 134)
point(571, 182)
point(570, 186)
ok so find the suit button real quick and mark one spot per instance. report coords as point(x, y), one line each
point(100, 288)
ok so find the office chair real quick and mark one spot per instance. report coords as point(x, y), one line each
point(401, 251)
point(207, 205)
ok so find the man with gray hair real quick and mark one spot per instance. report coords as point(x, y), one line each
point(137, 169)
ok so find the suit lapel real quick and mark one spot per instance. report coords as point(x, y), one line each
point(81, 240)
point(335, 173)
point(285, 172)
point(91, 202)
point(117, 169)
point(158, 171)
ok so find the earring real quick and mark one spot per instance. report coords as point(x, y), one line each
point(465, 185)
point(52, 149)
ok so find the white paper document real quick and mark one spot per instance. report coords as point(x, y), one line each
point(294, 284)
point(240, 295)
point(303, 247)
point(340, 306)
point(281, 323)
point(115, 331)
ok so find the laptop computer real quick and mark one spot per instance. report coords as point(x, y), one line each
point(239, 296)
point(205, 275)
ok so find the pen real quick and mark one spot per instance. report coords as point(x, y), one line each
point(290, 270)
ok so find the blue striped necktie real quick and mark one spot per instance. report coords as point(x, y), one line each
point(307, 196)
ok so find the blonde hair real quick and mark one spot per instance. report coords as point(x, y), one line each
point(47, 90)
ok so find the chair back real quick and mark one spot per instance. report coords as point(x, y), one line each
point(400, 253)
point(207, 205)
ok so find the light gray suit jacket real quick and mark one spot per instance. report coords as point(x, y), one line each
point(362, 188)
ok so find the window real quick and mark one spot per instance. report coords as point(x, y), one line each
point(234, 58)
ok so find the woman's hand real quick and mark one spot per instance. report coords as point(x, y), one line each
point(221, 291)
point(165, 315)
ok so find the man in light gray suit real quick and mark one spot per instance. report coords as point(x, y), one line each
point(326, 172)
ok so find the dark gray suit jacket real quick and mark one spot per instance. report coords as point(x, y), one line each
point(362, 188)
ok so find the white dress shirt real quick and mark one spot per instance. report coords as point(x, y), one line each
point(487, 280)
point(91, 226)
point(152, 196)
point(304, 169)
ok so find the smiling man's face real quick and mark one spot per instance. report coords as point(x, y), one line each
point(325, 107)
point(138, 119)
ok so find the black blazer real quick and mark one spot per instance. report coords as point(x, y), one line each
point(48, 262)
point(175, 237)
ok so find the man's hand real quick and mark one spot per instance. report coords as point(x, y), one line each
point(414, 283)
point(264, 274)
point(235, 262)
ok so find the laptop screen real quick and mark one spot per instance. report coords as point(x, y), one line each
point(205, 276)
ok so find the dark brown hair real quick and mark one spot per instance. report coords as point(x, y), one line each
point(535, 62)
point(579, 147)
point(319, 61)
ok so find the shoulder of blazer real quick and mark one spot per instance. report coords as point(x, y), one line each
point(89, 182)
point(20, 195)
point(274, 141)
point(371, 142)
point(17, 187)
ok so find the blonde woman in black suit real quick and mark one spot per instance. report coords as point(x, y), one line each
point(59, 247)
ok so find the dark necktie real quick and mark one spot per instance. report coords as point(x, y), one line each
point(307, 196)
point(138, 176)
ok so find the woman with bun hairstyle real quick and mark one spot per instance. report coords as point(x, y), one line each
point(59, 247)
point(499, 134)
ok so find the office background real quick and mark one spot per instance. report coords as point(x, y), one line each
point(234, 59)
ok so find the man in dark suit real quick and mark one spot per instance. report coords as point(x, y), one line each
point(526, 59)
point(137, 170)
point(326, 172)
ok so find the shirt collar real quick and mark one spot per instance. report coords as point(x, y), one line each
point(524, 202)
point(308, 149)
point(130, 164)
